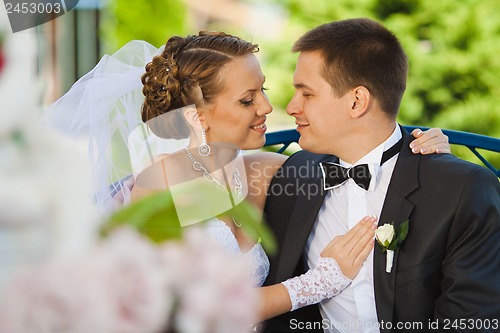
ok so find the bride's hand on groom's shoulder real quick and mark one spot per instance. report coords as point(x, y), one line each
point(432, 141)
point(351, 250)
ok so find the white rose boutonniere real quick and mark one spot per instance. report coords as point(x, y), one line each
point(389, 238)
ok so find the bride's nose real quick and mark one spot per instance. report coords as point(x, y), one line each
point(265, 108)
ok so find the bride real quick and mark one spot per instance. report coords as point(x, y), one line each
point(203, 100)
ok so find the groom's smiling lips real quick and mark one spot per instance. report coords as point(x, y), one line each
point(300, 125)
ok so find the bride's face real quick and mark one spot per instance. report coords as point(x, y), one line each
point(238, 113)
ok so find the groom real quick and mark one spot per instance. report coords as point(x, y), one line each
point(349, 81)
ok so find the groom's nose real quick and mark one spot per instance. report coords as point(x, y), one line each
point(293, 106)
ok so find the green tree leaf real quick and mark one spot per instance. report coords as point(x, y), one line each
point(153, 216)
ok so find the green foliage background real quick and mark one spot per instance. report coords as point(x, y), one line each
point(152, 20)
point(453, 48)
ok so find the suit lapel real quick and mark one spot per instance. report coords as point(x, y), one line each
point(396, 209)
point(301, 222)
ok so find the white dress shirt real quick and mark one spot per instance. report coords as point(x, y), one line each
point(353, 310)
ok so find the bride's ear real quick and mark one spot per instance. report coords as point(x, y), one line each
point(195, 117)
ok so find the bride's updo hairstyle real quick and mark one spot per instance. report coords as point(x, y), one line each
point(187, 71)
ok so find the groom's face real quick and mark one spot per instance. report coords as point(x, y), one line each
point(322, 118)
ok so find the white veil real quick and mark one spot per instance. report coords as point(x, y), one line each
point(104, 106)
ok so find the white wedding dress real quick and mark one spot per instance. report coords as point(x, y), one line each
point(257, 257)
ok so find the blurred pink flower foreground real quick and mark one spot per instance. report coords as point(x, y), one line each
point(128, 285)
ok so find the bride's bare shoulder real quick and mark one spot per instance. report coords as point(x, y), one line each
point(149, 181)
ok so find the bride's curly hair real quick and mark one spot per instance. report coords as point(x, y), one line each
point(187, 71)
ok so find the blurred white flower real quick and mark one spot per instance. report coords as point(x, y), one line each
point(135, 281)
point(125, 284)
point(216, 292)
point(120, 286)
point(56, 297)
point(46, 206)
point(20, 91)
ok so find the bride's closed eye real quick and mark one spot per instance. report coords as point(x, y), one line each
point(247, 102)
point(250, 102)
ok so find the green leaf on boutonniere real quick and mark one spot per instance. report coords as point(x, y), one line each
point(402, 231)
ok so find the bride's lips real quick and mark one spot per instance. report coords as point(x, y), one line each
point(260, 127)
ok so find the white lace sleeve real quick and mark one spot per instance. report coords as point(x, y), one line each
point(323, 281)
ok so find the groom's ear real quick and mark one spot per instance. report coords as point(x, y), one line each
point(360, 101)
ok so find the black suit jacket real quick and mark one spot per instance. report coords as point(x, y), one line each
point(448, 268)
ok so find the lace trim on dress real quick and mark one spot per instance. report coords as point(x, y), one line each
point(324, 281)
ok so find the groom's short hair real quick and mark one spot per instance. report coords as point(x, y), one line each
point(360, 52)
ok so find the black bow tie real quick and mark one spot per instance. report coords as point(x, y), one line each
point(334, 174)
